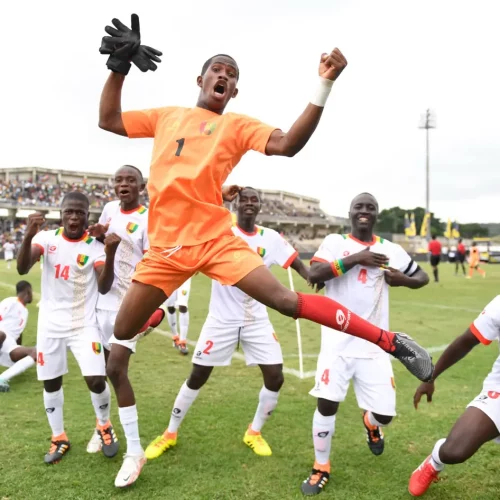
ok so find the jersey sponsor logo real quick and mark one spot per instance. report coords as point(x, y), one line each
point(342, 321)
point(207, 128)
point(132, 227)
point(52, 248)
point(97, 347)
point(261, 251)
point(82, 259)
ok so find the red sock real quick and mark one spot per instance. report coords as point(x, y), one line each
point(330, 313)
point(155, 319)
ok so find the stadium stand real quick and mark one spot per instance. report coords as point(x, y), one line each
point(27, 189)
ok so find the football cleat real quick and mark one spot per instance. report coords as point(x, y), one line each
point(4, 385)
point(316, 481)
point(257, 443)
point(95, 444)
point(109, 441)
point(59, 446)
point(422, 478)
point(130, 470)
point(160, 445)
point(414, 357)
point(181, 346)
point(154, 321)
point(374, 436)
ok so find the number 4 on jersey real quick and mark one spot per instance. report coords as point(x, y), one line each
point(363, 276)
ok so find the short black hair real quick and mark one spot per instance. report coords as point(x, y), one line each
point(208, 62)
point(433, 237)
point(259, 194)
point(135, 168)
point(76, 195)
point(22, 286)
point(364, 193)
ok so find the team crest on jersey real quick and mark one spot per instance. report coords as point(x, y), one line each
point(184, 292)
point(97, 347)
point(207, 128)
point(142, 210)
point(261, 251)
point(81, 260)
point(132, 227)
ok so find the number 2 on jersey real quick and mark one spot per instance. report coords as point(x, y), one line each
point(180, 143)
point(64, 274)
point(363, 276)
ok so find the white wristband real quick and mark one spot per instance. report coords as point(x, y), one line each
point(322, 92)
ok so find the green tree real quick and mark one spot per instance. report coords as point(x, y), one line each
point(392, 220)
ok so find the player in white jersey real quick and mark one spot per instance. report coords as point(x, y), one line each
point(8, 250)
point(236, 318)
point(480, 422)
point(127, 218)
point(13, 320)
point(358, 270)
point(77, 267)
point(179, 299)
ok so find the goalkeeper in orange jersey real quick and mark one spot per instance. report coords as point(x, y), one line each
point(474, 261)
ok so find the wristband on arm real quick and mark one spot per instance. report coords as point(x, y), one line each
point(338, 268)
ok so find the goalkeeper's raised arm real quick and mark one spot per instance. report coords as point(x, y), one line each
point(123, 45)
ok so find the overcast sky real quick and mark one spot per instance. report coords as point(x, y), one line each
point(404, 56)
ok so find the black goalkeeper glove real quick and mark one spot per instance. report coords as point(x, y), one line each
point(124, 46)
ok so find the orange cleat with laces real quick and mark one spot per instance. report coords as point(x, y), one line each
point(110, 444)
point(374, 436)
point(59, 446)
point(316, 481)
point(422, 478)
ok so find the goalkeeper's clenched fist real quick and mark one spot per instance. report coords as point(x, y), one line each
point(124, 45)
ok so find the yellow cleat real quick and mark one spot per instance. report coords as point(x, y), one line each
point(160, 445)
point(257, 443)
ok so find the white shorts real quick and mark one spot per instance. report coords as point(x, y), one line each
point(52, 357)
point(9, 256)
point(373, 381)
point(218, 342)
point(8, 346)
point(106, 321)
point(181, 296)
point(489, 403)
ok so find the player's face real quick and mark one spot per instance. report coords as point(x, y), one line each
point(128, 185)
point(28, 296)
point(248, 203)
point(218, 84)
point(75, 215)
point(364, 212)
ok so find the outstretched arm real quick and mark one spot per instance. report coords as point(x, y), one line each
point(110, 108)
point(457, 350)
point(291, 142)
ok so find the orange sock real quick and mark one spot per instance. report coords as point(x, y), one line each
point(322, 467)
point(61, 437)
point(480, 271)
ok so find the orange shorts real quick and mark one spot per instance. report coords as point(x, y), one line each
point(227, 259)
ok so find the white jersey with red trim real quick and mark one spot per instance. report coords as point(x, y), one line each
point(132, 227)
point(229, 304)
point(69, 283)
point(486, 327)
point(13, 317)
point(363, 290)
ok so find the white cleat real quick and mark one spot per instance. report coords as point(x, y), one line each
point(130, 470)
point(95, 444)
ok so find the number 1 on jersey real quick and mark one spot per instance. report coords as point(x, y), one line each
point(64, 274)
point(180, 143)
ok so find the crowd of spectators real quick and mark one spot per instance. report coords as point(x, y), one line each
point(26, 193)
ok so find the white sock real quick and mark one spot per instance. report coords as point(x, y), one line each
point(17, 368)
point(8, 264)
point(182, 403)
point(130, 424)
point(323, 430)
point(102, 403)
point(267, 403)
point(435, 460)
point(184, 325)
point(172, 321)
point(374, 421)
point(54, 402)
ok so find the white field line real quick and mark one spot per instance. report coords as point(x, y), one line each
point(290, 371)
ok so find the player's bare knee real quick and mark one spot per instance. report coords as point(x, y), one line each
point(114, 370)
point(383, 419)
point(183, 309)
point(199, 376)
point(52, 385)
point(96, 384)
point(2, 338)
point(273, 377)
point(171, 310)
point(327, 408)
